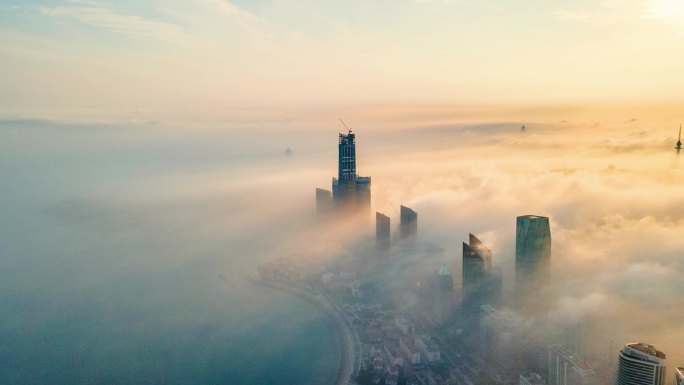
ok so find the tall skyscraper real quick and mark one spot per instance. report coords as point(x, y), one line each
point(532, 256)
point(474, 268)
point(324, 202)
point(679, 376)
point(382, 232)
point(641, 364)
point(408, 225)
point(481, 283)
point(566, 368)
point(482, 250)
point(444, 295)
point(350, 191)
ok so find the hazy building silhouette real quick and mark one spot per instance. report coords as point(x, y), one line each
point(566, 368)
point(531, 378)
point(532, 256)
point(408, 225)
point(679, 376)
point(641, 364)
point(474, 269)
point(444, 295)
point(324, 202)
point(502, 342)
point(480, 285)
point(575, 336)
point(351, 193)
point(382, 232)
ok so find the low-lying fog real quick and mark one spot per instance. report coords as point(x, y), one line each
point(114, 237)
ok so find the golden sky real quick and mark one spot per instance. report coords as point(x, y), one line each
point(217, 56)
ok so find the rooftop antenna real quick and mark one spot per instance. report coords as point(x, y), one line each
point(679, 140)
point(345, 126)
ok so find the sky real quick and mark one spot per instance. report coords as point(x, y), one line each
point(222, 58)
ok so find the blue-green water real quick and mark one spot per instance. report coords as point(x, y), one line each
point(121, 262)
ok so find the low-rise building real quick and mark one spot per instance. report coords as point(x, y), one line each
point(428, 348)
point(531, 379)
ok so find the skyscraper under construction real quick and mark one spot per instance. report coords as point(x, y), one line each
point(351, 192)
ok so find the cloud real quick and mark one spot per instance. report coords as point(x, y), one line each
point(134, 26)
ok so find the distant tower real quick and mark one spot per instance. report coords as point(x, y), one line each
point(350, 191)
point(679, 376)
point(408, 225)
point(678, 146)
point(324, 202)
point(641, 364)
point(444, 295)
point(382, 231)
point(532, 256)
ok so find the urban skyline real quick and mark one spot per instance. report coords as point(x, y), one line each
point(278, 192)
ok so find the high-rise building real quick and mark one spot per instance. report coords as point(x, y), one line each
point(324, 202)
point(481, 283)
point(382, 231)
point(641, 364)
point(408, 225)
point(444, 295)
point(502, 342)
point(474, 268)
point(482, 250)
point(532, 256)
point(565, 368)
point(679, 376)
point(350, 191)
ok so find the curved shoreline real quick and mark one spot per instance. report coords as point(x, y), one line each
point(343, 331)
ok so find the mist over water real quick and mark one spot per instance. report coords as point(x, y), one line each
point(123, 247)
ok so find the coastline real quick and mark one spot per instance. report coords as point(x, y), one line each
point(347, 355)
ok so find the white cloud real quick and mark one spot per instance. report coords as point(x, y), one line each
point(131, 25)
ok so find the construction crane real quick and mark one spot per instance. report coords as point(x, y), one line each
point(345, 126)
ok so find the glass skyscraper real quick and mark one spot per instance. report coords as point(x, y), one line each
point(532, 255)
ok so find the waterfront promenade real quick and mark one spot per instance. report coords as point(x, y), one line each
point(347, 356)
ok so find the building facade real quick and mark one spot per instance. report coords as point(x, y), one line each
point(324, 202)
point(679, 376)
point(532, 257)
point(444, 295)
point(531, 379)
point(382, 232)
point(565, 368)
point(408, 225)
point(351, 192)
point(641, 364)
